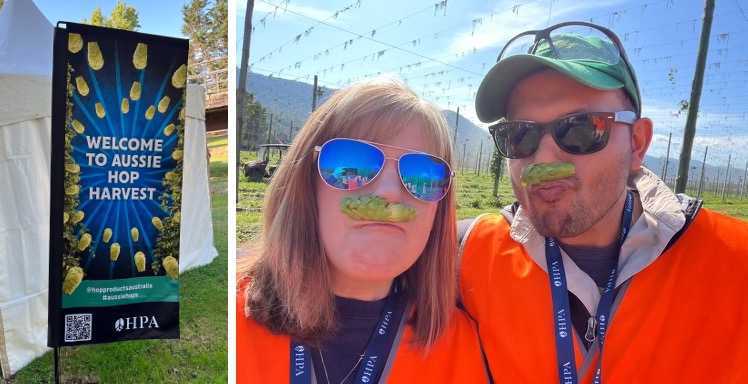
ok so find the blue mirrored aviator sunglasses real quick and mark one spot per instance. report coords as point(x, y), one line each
point(349, 164)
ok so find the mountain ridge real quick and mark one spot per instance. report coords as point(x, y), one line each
point(290, 102)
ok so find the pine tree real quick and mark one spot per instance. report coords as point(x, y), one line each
point(207, 28)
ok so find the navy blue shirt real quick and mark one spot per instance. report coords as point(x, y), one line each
point(357, 321)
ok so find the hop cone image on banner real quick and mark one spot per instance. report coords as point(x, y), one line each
point(124, 99)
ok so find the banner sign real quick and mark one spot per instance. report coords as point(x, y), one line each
point(117, 150)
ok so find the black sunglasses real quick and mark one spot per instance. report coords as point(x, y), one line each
point(578, 133)
point(528, 43)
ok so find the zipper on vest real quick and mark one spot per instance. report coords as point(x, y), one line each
point(591, 325)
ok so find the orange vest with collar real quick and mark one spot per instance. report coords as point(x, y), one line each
point(263, 357)
point(683, 319)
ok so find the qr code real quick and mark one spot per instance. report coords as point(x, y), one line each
point(78, 327)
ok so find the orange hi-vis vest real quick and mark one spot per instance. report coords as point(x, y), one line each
point(263, 357)
point(682, 319)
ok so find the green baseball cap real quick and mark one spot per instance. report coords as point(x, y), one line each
point(585, 59)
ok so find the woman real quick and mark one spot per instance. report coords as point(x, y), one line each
point(358, 285)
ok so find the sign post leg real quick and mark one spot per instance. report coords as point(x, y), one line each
point(57, 365)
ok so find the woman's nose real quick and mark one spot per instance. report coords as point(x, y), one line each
point(387, 184)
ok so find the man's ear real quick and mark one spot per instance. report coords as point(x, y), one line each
point(641, 137)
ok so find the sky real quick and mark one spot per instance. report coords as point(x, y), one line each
point(444, 48)
point(152, 15)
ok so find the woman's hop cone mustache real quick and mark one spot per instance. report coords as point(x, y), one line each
point(374, 208)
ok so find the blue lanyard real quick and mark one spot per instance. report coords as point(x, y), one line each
point(376, 351)
point(567, 368)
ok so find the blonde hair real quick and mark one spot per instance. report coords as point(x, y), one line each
point(288, 288)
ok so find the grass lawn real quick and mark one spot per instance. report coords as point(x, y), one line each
point(474, 196)
point(200, 356)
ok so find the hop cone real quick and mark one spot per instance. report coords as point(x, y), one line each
point(179, 78)
point(157, 223)
point(140, 57)
point(171, 265)
point(540, 173)
point(73, 168)
point(107, 234)
point(135, 91)
point(375, 208)
point(163, 104)
point(82, 86)
point(75, 42)
point(78, 216)
point(95, 59)
point(84, 242)
point(114, 252)
point(140, 261)
point(72, 279)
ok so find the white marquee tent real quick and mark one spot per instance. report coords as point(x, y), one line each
point(25, 145)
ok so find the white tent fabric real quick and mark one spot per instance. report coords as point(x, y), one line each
point(25, 151)
point(25, 39)
point(196, 236)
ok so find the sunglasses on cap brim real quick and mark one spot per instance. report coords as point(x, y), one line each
point(350, 164)
point(555, 39)
point(578, 133)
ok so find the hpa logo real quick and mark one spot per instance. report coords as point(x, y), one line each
point(135, 322)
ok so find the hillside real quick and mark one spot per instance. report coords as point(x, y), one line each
point(712, 173)
point(290, 102)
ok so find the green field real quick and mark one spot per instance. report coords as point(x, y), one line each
point(200, 356)
point(474, 196)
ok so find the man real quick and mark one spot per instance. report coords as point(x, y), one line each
point(597, 255)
